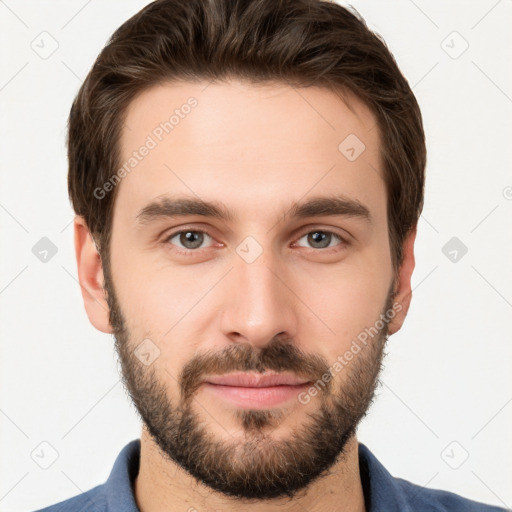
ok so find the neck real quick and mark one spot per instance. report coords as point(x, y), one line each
point(162, 485)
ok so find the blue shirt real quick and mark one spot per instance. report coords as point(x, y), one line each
point(383, 492)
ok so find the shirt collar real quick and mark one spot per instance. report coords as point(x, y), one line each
point(119, 486)
point(381, 491)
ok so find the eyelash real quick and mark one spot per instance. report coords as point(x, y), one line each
point(343, 242)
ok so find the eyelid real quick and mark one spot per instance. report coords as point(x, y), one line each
point(344, 235)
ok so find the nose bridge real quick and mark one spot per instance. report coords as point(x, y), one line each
point(260, 305)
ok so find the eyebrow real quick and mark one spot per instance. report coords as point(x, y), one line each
point(169, 207)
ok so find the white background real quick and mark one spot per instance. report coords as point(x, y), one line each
point(448, 373)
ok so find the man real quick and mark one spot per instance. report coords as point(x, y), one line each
point(247, 178)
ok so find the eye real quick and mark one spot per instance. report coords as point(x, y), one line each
point(321, 239)
point(190, 239)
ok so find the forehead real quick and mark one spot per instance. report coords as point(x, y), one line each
point(253, 144)
point(279, 113)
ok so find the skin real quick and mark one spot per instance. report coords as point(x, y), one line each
point(256, 149)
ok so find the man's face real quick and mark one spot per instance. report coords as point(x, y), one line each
point(263, 291)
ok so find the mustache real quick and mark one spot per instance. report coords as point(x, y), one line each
point(277, 356)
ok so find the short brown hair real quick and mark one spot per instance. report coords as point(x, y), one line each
point(297, 42)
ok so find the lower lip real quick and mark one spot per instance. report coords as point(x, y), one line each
point(256, 398)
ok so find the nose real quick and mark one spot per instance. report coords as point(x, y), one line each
point(259, 302)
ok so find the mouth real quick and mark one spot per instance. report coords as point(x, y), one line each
point(256, 391)
point(256, 380)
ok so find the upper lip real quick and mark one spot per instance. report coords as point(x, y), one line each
point(256, 380)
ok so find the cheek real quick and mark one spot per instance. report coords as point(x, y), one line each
point(347, 298)
point(151, 296)
point(162, 305)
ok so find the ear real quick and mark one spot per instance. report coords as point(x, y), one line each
point(403, 283)
point(90, 276)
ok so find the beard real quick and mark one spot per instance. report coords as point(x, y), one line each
point(259, 466)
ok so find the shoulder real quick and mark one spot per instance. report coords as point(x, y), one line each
point(385, 492)
point(116, 493)
point(435, 500)
point(93, 499)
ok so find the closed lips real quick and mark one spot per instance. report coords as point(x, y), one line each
point(256, 380)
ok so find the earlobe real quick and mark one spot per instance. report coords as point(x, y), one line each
point(403, 289)
point(90, 276)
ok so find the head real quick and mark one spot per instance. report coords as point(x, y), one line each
point(247, 125)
